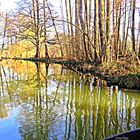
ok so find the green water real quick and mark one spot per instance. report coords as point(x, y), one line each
point(49, 102)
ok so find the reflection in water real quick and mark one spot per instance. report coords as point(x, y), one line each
point(49, 102)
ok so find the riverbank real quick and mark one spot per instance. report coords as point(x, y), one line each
point(124, 73)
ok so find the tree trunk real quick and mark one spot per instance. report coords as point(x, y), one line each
point(37, 30)
point(35, 5)
point(118, 29)
point(101, 30)
point(133, 26)
point(108, 25)
point(4, 32)
point(70, 12)
point(77, 33)
point(87, 29)
point(71, 29)
point(64, 30)
point(124, 24)
point(68, 26)
point(115, 27)
point(83, 41)
point(45, 30)
point(96, 45)
point(128, 24)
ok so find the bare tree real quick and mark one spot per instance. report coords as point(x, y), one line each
point(108, 29)
point(45, 30)
point(5, 28)
point(37, 55)
point(77, 33)
point(133, 26)
point(96, 45)
point(103, 54)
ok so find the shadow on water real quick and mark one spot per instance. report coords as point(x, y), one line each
point(50, 102)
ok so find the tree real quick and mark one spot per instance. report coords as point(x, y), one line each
point(77, 33)
point(91, 36)
point(124, 23)
point(29, 22)
point(82, 25)
point(71, 28)
point(133, 26)
point(68, 27)
point(45, 29)
point(37, 24)
point(5, 28)
point(103, 55)
point(108, 29)
point(87, 29)
point(96, 45)
point(128, 24)
point(55, 29)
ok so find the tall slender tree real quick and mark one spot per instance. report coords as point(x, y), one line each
point(77, 33)
point(96, 45)
point(124, 23)
point(103, 54)
point(128, 25)
point(133, 26)
point(118, 24)
point(87, 29)
point(108, 30)
point(5, 28)
point(45, 29)
point(82, 25)
point(37, 30)
point(35, 5)
point(68, 27)
point(71, 28)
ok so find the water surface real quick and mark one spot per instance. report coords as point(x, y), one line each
point(47, 102)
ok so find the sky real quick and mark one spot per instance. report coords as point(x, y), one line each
point(7, 4)
point(10, 4)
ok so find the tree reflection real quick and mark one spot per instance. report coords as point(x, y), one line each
point(55, 103)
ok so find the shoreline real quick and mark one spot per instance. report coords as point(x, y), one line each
point(128, 80)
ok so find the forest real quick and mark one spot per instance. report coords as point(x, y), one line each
point(91, 35)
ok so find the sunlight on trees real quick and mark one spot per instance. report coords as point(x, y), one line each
point(95, 31)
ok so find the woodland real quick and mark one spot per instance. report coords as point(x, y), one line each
point(100, 37)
